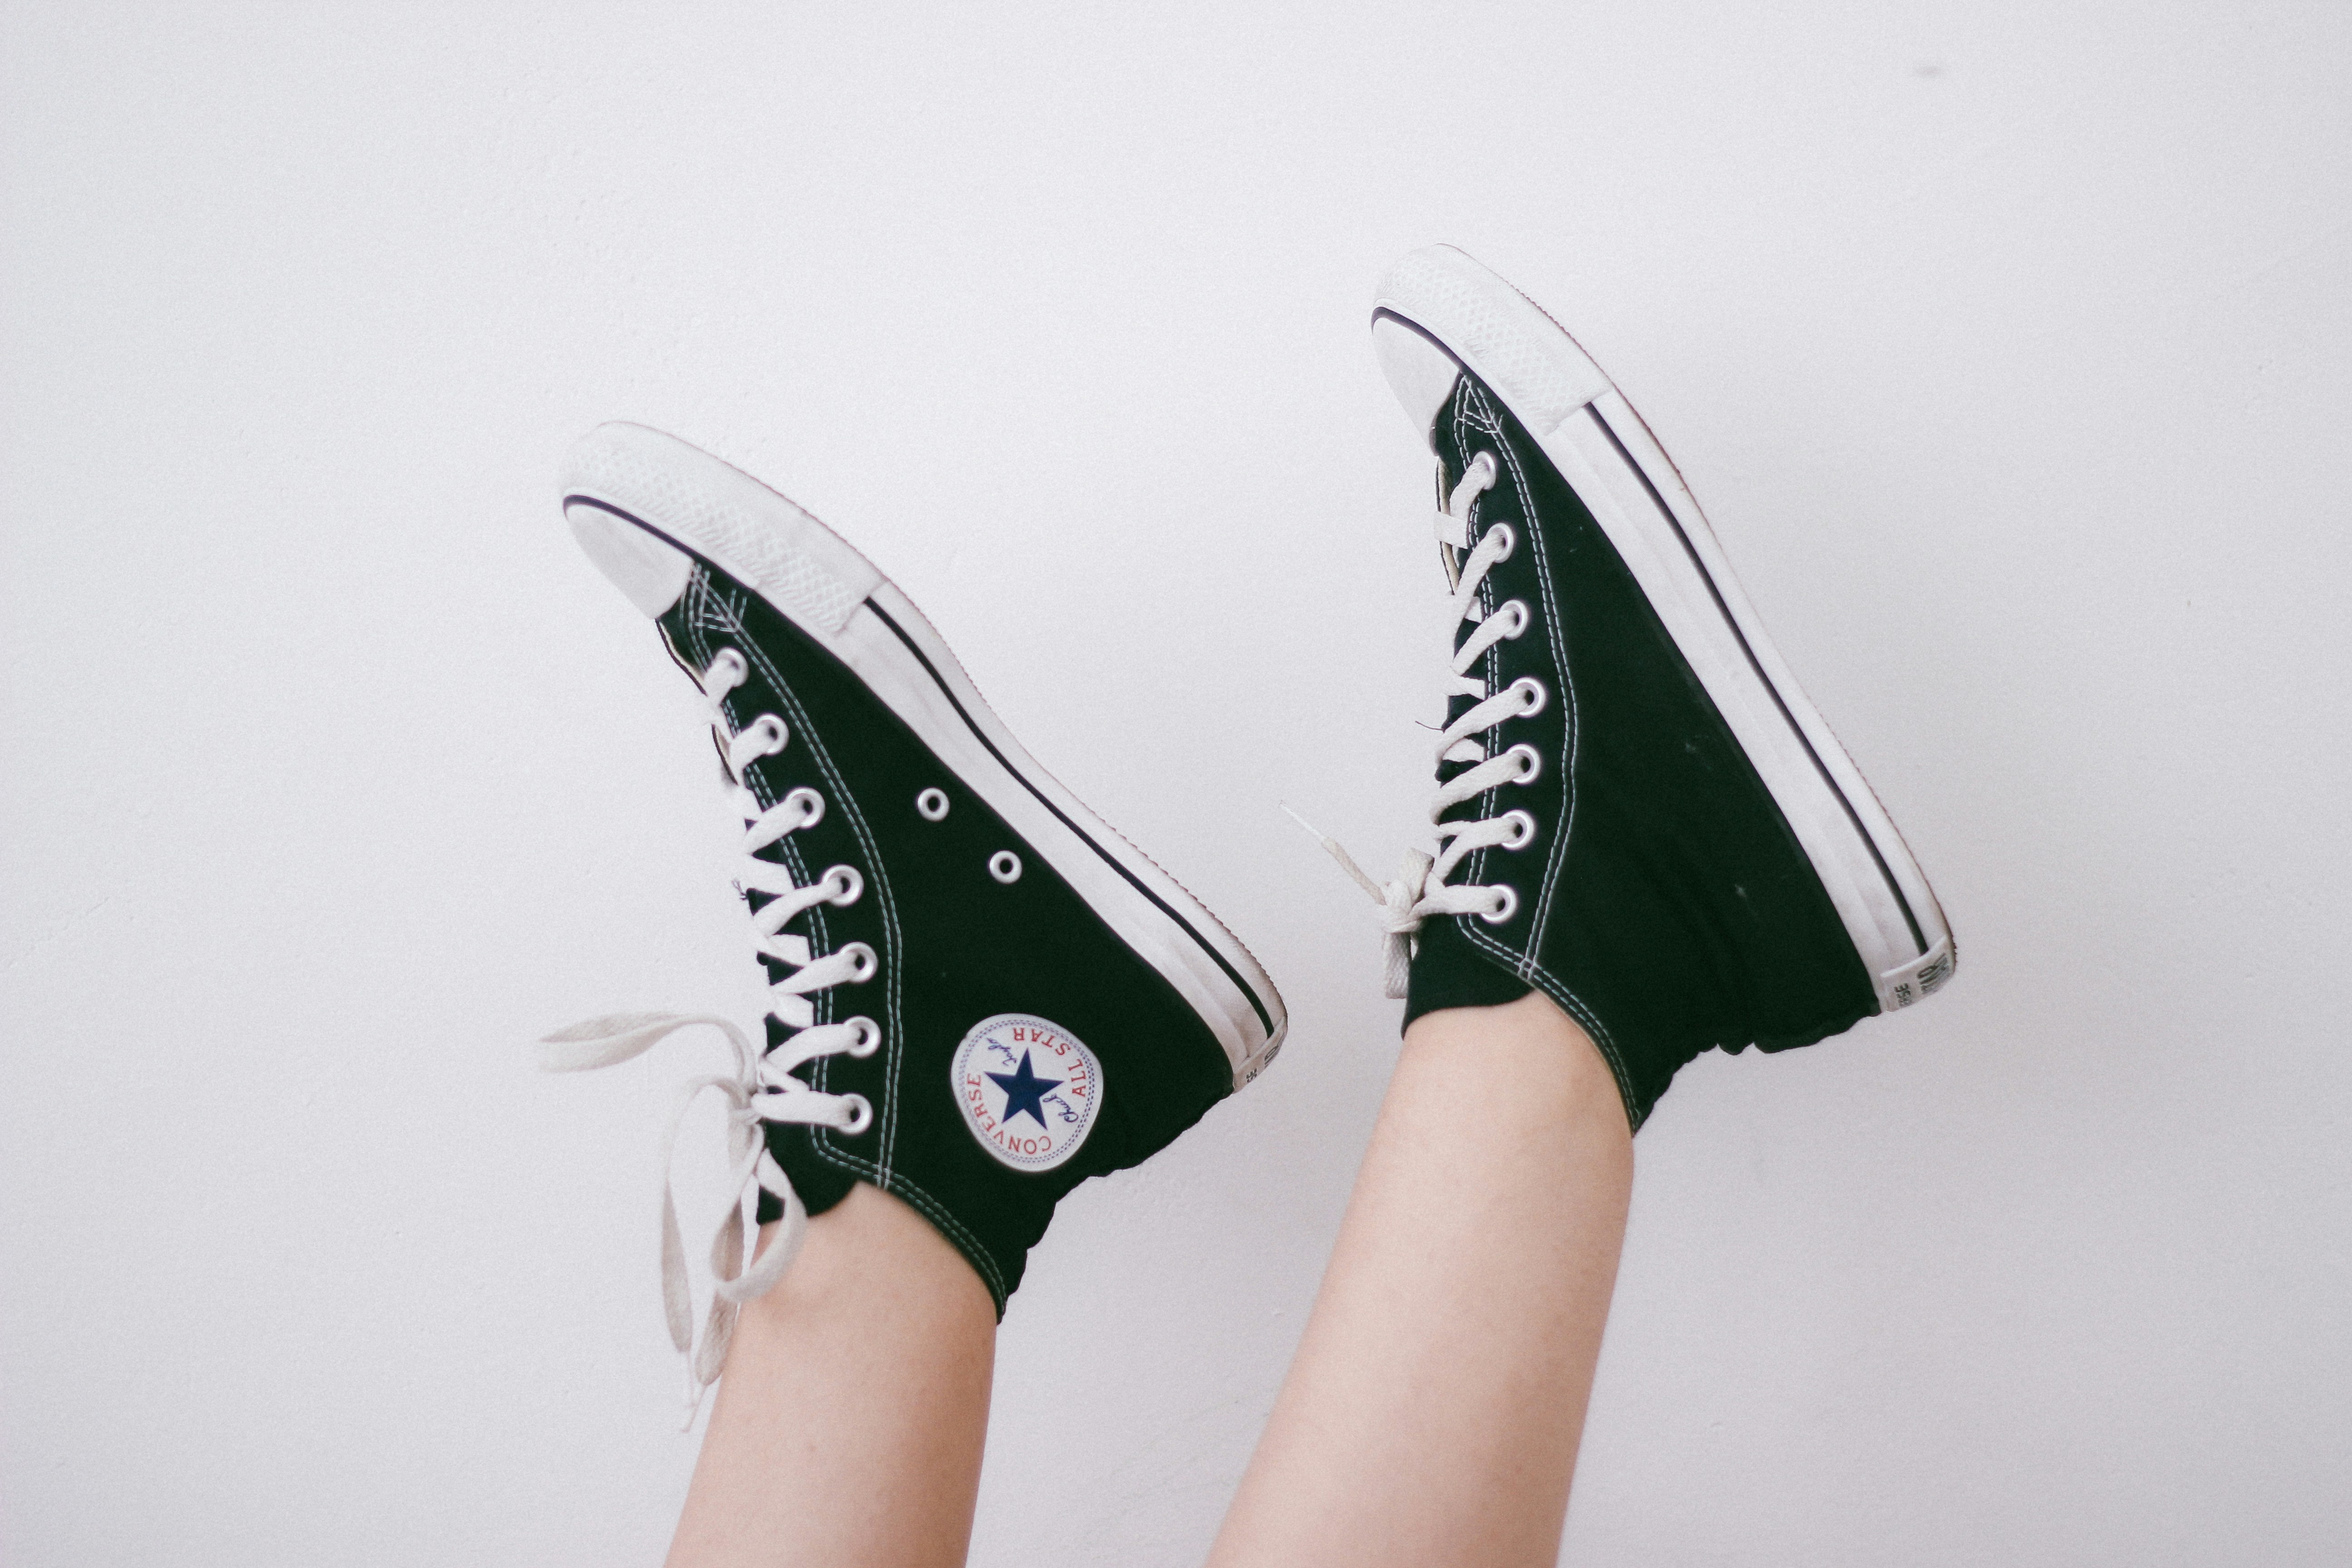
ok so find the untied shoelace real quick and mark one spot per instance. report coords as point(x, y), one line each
point(761, 1088)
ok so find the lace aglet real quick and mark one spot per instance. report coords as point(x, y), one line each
point(1312, 831)
point(697, 1392)
point(1331, 844)
point(1331, 847)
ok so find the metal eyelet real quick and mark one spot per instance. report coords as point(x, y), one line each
point(1530, 762)
point(808, 803)
point(1005, 867)
point(1507, 904)
point(736, 670)
point(863, 965)
point(932, 805)
point(1521, 617)
point(1523, 829)
point(1534, 698)
point(1510, 543)
point(861, 1116)
point(843, 885)
point(869, 1037)
point(771, 731)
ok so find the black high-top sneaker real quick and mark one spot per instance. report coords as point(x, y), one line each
point(980, 994)
point(1639, 812)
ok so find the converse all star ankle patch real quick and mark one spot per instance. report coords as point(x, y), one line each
point(1028, 1090)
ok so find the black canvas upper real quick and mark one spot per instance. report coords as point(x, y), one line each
point(1663, 902)
point(954, 945)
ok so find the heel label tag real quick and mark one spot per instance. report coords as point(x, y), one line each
point(1917, 981)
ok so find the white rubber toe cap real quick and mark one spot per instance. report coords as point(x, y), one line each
point(1420, 374)
point(1495, 329)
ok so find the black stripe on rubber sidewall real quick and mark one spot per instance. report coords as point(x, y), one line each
point(1756, 665)
point(1265, 1019)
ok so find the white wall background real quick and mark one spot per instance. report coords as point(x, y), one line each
point(2008, 344)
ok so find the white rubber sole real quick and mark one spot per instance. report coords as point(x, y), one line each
point(638, 498)
point(1608, 455)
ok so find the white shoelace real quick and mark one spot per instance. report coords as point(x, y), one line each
point(759, 1089)
point(1418, 888)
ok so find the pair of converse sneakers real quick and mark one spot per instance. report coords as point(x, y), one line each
point(980, 994)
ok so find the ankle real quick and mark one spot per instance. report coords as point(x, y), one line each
point(1554, 1071)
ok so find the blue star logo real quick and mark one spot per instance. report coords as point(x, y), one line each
point(1024, 1091)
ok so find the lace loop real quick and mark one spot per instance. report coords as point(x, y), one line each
point(761, 1088)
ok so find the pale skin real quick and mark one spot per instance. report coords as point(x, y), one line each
point(1431, 1417)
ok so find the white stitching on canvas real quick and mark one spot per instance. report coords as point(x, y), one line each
point(706, 613)
point(1524, 964)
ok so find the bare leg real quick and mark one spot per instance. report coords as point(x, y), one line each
point(849, 1424)
point(1433, 1414)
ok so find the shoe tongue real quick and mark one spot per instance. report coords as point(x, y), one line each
point(648, 569)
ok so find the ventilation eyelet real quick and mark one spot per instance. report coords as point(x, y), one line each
point(1507, 904)
point(862, 962)
point(843, 885)
point(932, 805)
point(1530, 764)
point(861, 1116)
point(1523, 829)
point(869, 1037)
point(1005, 867)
